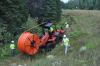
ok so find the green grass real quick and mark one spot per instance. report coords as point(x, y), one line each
point(84, 31)
point(90, 45)
point(4, 51)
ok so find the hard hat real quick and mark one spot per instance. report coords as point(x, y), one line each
point(12, 41)
point(64, 36)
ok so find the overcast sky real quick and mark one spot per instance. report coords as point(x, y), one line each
point(65, 1)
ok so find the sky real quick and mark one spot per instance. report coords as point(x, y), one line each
point(65, 1)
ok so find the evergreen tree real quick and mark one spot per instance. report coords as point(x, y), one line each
point(52, 10)
point(13, 13)
point(83, 4)
point(45, 9)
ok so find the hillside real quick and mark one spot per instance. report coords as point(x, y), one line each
point(84, 31)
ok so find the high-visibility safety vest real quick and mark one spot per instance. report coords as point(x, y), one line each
point(12, 46)
point(65, 40)
point(67, 25)
point(51, 29)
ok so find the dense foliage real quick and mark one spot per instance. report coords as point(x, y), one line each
point(15, 18)
point(45, 9)
point(36, 7)
point(82, 4)
point(13, 13)
point(52, 10)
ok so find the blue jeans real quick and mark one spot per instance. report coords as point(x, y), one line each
point(66, 48)
point(13, 52)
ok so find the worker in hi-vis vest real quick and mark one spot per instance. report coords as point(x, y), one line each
point(66, 43)
point(51, 29)
point(12, 47)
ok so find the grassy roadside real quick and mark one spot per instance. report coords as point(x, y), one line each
point(84, 31)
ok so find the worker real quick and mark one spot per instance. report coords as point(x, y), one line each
point(67, 25)
point(51, 29)
point(12, 47)
point(66, 44)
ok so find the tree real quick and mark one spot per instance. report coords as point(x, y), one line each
point(45, 9)
point(98, 4)
point(36, 7)
point(13, 13)
point(84, 4)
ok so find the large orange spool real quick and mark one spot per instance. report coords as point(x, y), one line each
point(28, 43)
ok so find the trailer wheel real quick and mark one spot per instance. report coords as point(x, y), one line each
point(49, 47)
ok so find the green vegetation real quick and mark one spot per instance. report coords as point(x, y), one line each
point(17, 16)
point(52, 10)
point(13, 14)
point(45, 9)
point(90, 45)
point(82, 4)
point(81, 34)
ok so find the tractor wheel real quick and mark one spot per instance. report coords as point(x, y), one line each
point(49, 47)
